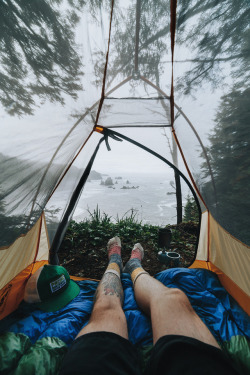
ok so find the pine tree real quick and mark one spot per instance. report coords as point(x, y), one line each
point(229, 153)
point(38, 54)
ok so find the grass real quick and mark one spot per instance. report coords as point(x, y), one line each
point(83, 251)
point(99, 228)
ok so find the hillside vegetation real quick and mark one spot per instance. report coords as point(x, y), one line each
point(83, 251)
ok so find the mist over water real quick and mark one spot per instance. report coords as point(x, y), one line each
point(148, 199)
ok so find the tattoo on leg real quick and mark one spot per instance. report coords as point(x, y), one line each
point(111, 285)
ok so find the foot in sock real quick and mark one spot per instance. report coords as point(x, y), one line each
point(114, 251)
point(137, 254)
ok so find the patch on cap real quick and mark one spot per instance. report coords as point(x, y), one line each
point(58, 284)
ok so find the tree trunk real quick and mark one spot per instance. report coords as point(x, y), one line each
point(178, 197)
point(177, 183)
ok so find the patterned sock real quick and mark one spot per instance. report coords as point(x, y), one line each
point(114, 255)
point(133, 266)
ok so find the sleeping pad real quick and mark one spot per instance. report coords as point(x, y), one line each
point(28, 329)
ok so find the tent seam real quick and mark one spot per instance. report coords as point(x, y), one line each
point(106, 67)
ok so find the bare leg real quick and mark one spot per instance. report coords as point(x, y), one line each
point(107, 314)
point(169, 308)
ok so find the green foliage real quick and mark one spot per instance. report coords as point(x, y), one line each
point(12, 226)
point(216, 31)
point(229, 154)
point(154, 28)
point(219, 36)
point(96, 231)
point(191, 212)
point(39, 56)
point(40, 59)
point(84, 249)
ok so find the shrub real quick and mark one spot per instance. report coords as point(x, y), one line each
point(191, 212)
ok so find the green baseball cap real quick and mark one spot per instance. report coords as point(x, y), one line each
point(54, 288)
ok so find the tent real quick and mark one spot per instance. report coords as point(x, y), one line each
point(75, 73)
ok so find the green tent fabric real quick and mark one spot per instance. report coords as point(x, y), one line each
point(19, 356)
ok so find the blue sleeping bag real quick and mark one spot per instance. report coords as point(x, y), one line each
point(219, 311)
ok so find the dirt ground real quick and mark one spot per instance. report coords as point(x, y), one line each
point(91, 263)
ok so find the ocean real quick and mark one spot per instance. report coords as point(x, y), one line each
point(148, 200)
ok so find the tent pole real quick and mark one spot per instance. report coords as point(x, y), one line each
point(197, 136)
point(53, 258)
point(106, 133)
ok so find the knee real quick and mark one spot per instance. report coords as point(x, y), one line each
point(176, 297)
point(106, 311)
point(176, 293)
point(106, 306)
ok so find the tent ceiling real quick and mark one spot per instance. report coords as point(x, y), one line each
point(61, 62)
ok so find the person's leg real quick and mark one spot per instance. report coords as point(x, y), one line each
point(170, 310)
point(107, 314)
point(102, 346)
point(183, 344)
